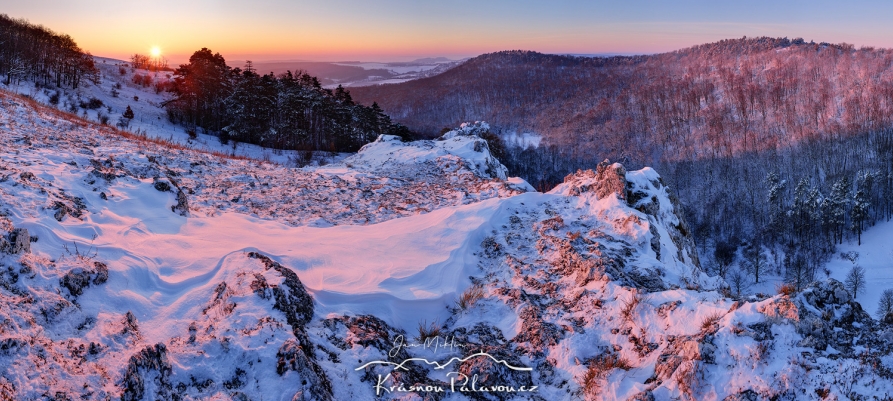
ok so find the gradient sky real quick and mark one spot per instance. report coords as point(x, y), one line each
point(397, 30)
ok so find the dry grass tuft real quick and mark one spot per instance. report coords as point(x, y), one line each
point(598, 369)
point(428, 331)
point(711, 320)
point(786, 289)
point(629, 306)
point(470, 297)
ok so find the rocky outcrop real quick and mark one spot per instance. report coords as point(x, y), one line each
point(379, 338)
point(19, 241)
point(150, 365)
point(649, 195)
point(681, 235)
point(107, 169)
point(680, 350)
point(297, 357)
point(162, 185)
point(77, 279)
point(488, 339)
point(182, 206)
point(291, 298)
point(829, 317)
point(607, 179)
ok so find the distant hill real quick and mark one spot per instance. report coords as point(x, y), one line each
point(357, 73)
point(328, 73)
point(716, 99)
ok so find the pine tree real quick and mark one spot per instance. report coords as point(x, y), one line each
point(251, 108)
point(128, 113)
point(839, 200)
point(861, 203)
point(800, 210)
point(776, 186)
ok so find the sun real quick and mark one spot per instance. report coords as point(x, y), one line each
point(155, 51)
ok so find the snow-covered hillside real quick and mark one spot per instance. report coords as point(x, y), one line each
point(135, 269)
point(117, 89)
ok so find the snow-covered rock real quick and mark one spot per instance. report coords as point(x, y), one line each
point(410, 271)
point(641, 208)
point(457, 151)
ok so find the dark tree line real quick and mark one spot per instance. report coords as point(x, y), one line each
point(288, 111)
point(33, 52)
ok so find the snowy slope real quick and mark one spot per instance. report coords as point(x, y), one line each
point(117, 91)
point(132, 269)
point(874, 255)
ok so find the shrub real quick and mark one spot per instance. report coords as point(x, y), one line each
point(852, 256)
point(786, 289)
point(223, 137)
point(711, 320)
point(142, 80)
point(92, 104)
point(598, 369)
point(427, 331)
point(629, 306)
point(885, 305)
point(160, 87)
point(470, 296)
point(760, 351)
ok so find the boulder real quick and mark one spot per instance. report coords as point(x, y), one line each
point(19, 241)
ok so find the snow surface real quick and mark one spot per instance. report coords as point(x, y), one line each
point(150, 118)
point(161, 261)
point(875, 255)
point(389, 239)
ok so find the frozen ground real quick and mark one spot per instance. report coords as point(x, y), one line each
point(152, 271)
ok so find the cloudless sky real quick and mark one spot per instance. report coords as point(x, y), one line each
point(396, 30)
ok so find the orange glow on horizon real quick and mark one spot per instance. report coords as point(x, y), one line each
point(342, 30)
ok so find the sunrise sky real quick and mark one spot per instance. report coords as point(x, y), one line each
point(397, 30)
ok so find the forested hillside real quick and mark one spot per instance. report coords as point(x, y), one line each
point(35, 53)
point(713, 100)
point(778, 148)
